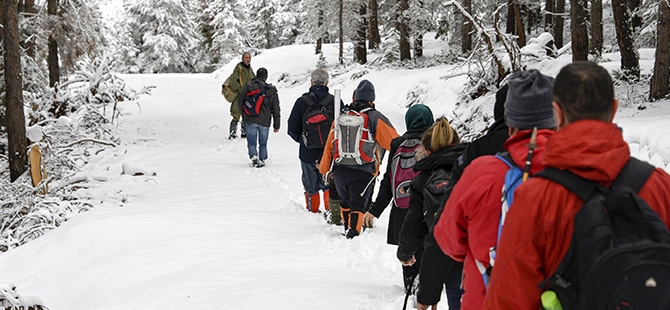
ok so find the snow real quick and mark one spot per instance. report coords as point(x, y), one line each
point(181, 221)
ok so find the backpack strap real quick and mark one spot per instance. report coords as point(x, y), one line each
point(307, 98)
point(633, 174)
point(506, 158)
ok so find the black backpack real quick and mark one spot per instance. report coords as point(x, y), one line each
point(619, 255)
point(316, 121)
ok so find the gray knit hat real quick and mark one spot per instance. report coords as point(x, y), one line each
point(529, 100)
point(365, 92)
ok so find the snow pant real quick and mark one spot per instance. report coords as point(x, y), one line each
point(257, 140)
point(355, 194)
point(438, 270)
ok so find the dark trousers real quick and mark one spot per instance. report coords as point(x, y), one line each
point(351, 187)
point(439, 270)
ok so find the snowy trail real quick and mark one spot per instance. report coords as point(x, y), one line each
point(207, 231)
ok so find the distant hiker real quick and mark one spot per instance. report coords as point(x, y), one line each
point(309, 124)
point(543, 217)
point(231, 88)
point(353, 152)
point(441, 145)
point(468, 226)
point(260, 103)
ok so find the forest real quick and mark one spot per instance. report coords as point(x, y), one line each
point(62, 59)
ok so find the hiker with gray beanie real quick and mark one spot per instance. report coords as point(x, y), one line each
point(468, 227)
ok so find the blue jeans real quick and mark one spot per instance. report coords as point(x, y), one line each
point(311, 178)
point(257, 140)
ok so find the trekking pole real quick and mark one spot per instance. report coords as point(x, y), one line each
point(531, 147)
point(336, 114)
point(408, 290)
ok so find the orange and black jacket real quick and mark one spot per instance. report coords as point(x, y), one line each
point(382, 132)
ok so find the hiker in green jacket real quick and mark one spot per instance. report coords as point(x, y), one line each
point(242, 75)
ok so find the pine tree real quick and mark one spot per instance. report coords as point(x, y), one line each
point(166, 35)
point(261, 28)
point(230, 37)
point(287, 19)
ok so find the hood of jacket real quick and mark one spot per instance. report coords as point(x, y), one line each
point(442, 158)
point(360, 105)
point(592, 149)
point(517, 146)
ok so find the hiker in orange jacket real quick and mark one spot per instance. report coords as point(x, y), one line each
point(468, 226)
point(355, 182)
point(539, 225)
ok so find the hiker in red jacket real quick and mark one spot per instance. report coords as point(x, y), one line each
point(468, 226)
point(539, 225)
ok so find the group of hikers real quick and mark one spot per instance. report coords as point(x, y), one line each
point(550, 195)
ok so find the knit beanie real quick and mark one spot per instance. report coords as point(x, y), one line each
point(418, 116)
point(528, 102)
point(365, 92)
point(499, 107)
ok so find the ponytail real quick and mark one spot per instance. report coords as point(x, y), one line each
point(439, 135)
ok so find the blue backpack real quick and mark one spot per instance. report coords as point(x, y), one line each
point(513, 178)
point(253, 101)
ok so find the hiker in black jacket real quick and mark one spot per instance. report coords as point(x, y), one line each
point(441, 144)
point(418, 118)
point(258, 127)
point(489, 144)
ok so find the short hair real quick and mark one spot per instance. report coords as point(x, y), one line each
point(319, 77)
point(584, 90)
point(439, 135)
point(262, 74)
point(246, 53)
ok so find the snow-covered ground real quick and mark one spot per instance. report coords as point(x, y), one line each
point(201, 229)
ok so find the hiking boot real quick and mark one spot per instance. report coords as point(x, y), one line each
point(256, 162)
point(351, 233)
point(233, 130)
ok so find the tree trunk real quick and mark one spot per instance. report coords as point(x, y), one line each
point(580, 38)
point(360, 52)
point(319, 40)
point(559, 22)
point(375, 37)
point(511, 25)
point(466, 29)
point(401, 25)
point(625, 30)
point(520, 32)
point(16, 120)
point(596, 46)
point(418, 46)
point(660, 81)
point(341, 33)
point(28, 7)
point(52, 58)
point(549, 18)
